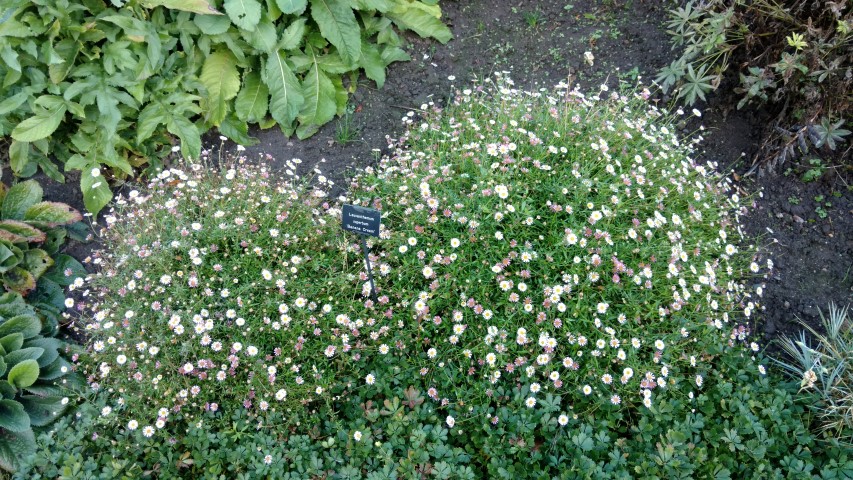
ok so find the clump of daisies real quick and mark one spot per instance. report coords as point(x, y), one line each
point(534, 246)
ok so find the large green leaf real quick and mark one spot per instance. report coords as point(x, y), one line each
point(189, 135)
point(222, 81)
point(15, 448)
point(42, 411)
point(338, 25)
point(371, 61)
point(10, 256)
point(28, 325)
point(12, 342)
point(13, 417)
point(378, 5)
point(244, 13)
point(19, 156)
point(212, 24)
point(96, 192)
point(21, 355)
point(237, 130)
point(253, 99)
point(50, 347)
point(319, 107)
point(39, 126)
point(16, 231)
point(19, 198)
point(23, 374)
point(422, 19)
point(292, 35)
point(286, 92)
point(52, 214)
point(56, 369)
point(195, 6)
point(20, 280)
point(291, 7)
point(65, 270)
point(36, 261)
point(263, 37)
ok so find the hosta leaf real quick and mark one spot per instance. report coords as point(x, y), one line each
point(222, 81)
point(20, 280)
point(290, 7)
point(195, 6)
point(42, 411)
point(189, 135)
point(36, 261)
point(15, 447)
point(12, 342)
point(286, 92)
point(13, 417)
point(42, 125)
point(27, 325)
point(19, 156)
point(408, 16)
point(22, 355)
point(244, 13)
point(23, 374)
point(319, 107)
point(372, 63)
point(212, 24)
point(52, 214)
point(291, 38)
point(19, 198)
point(338, 25)
point(65, 270)
point(252, 101)
point(16, 232)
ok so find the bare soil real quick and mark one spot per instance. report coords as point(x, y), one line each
point(806, 228)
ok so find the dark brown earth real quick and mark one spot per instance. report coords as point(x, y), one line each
point(542, 42)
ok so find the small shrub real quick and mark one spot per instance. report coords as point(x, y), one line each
point(825, 365)
point(539, 251)
point(794, 54)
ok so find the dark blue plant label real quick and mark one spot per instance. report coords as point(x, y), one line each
point(361, 220)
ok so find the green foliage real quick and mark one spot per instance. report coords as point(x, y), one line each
point(794, 54)
point(32, 369)
point(824, 364)
point(113, 85)
point(31, 234)
point(746, 426)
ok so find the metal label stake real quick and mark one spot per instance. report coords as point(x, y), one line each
point(363, 221)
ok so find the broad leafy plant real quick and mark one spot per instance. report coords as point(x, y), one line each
point(32, 374)
point(31, 234)
point(112, 85)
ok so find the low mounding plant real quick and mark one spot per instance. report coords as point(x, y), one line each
point(825, 365)
point(109, 85)
point(794, 54)
point(33, 374)
point(544, 257)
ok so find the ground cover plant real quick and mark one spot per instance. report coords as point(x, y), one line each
point(109, 87)
point(794, 55)
point(551, 264)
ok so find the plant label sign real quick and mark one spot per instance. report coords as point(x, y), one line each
point(361, 220)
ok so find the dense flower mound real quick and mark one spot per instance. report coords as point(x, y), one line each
point(544, 249)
